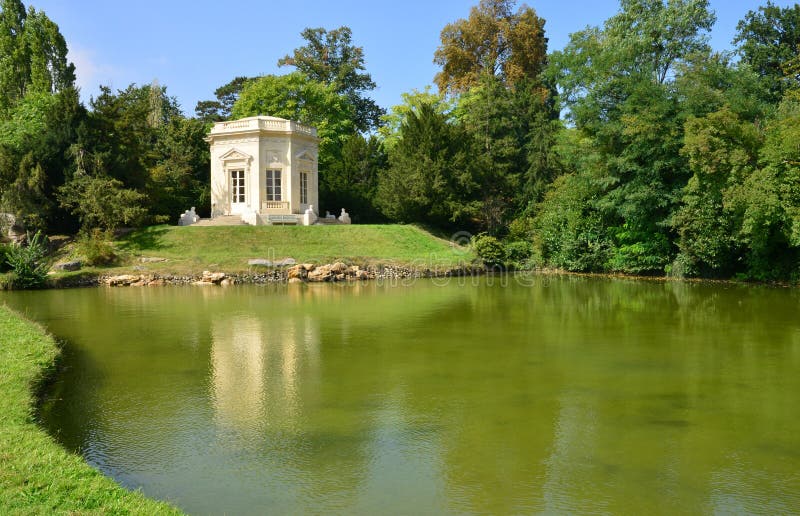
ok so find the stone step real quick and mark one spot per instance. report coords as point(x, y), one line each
point(222, 220)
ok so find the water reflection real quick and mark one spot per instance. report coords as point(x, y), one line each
point(555, 396)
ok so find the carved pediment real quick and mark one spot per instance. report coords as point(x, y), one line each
point(236, 155)
point(305, 155)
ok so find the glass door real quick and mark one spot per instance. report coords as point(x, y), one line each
point(237, 191)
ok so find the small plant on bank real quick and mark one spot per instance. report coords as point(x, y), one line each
point(489, 249)
point(4, 250)
point(28, 263)
point(96, 248)
point(519, 253)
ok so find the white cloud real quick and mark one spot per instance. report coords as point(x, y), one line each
point(89, 72)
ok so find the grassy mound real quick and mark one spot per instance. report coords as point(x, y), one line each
point(37, 475)
point(230, 247)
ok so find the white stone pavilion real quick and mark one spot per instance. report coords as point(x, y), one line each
point(264, 170)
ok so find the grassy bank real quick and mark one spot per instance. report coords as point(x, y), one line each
point(232, 246)
point(37, 476)
point(190, 250)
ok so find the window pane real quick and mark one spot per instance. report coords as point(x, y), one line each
point(237, 186)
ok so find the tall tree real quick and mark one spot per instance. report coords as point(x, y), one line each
point(122, 131)
point(618, 84)
point(494, 40)
point(297, 97)
point(722, 151)
point(330, 57)
point(488, 113)
point(352, 181)
point(431, 177)
point(220, 109)
point(33, 54)
point(34, 142)
point(15, 60)
point(412, 102)
point(50, 71)
point(768, 38)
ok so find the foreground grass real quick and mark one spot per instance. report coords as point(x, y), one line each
point(37, 476)
point(189, 249)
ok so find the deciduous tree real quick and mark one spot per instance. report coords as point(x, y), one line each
point(494, 40)
point(33, 55)
point(768, 39)
point(330, 57)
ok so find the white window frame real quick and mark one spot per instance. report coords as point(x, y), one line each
point(274, 185)
point(303, 187)
point(238, 191)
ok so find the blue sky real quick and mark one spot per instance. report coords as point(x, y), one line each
point(193, 47)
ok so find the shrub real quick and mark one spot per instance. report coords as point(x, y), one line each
point(521, 229)
point(96, 247)
point(489, 249)
point(28, 263)
point(4, 250)
point(519, 253)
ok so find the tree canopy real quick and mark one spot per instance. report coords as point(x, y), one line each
point(331, 58)
point(768, 41)
point(494, 40)
point(34, 55)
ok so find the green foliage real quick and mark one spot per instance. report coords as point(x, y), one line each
point(352, 182)
point(767, 204)
point(179, 177)
point(220, 109)
point(521, 229)
point(768, 40)
point(619, 85)
point(431, 176)
point(568, 228)
point(102, 202)
point(33, 157)
point(28, 263)
point(297, 97)
point(493, 41)
point(96, 247)
point(519, 253)
point(513, 130)
point(392, 121)
point(722, 152)
point(29, 118)
point(34, 55)
point(122, 132)
point(329, 57)
point(489, 249)
point(25, 195)
point(5, 249)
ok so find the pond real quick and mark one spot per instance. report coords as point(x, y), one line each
point(513, 394)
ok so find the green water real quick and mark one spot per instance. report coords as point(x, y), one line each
point(499, 396)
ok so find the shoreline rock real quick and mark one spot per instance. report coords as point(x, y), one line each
point(336, 272)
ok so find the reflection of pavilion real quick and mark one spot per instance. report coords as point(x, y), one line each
point(255, 366)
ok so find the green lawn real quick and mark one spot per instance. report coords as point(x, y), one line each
point(37, 476)
point(230, 247)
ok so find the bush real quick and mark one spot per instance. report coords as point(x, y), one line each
point(489, 249)
point(28, 263)
point(519, 253)
point(521, 229)
point(96, 247)
point(4, 250)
